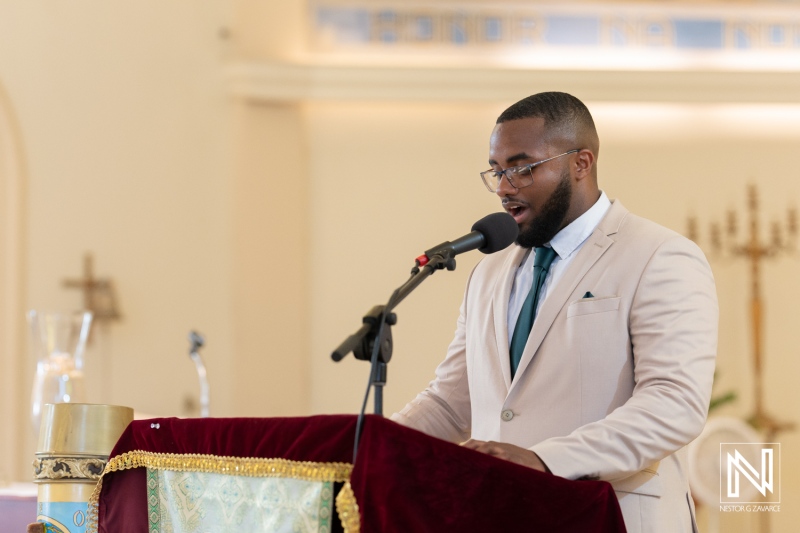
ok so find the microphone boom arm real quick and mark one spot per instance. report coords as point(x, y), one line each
point(367, 333)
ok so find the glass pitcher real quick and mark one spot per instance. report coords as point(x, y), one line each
point(59, 340)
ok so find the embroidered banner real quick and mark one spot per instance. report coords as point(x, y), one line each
point(188, 502)
point(189, 493)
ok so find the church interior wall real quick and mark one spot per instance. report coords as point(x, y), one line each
point(273, 226)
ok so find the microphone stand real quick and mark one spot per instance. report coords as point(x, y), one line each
point(375, 336)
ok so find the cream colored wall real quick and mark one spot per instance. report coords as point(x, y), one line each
point(138, 154)
point(389, 181)
point(124, 118)
point(268, 366)
point(12, 194)
point(272, 223)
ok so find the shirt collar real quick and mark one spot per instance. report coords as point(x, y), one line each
point(570, 238)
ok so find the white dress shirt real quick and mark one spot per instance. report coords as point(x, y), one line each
point(566, 243)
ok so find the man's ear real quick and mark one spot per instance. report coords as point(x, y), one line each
point(583, 163)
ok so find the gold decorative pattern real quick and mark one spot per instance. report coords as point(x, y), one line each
point(232, 466)
point(347, 508)
point(68, 468)
point(236, 466)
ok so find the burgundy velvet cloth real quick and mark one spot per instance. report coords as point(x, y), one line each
point(403, 480)
point(123, 499)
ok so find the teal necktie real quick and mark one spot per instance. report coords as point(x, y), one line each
point(541, 263)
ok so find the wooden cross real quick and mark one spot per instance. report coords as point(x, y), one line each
point(98, 293)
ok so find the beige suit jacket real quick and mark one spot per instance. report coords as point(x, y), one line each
point(612, 386)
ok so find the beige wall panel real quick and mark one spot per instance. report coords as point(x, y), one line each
point(274, 29)
point(389, 181)
point(12, 347)
point(270, 319)
point(123, 115)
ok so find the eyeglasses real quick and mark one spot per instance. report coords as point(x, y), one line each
point(517, 177)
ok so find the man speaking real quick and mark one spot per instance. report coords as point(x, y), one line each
point(587, 348)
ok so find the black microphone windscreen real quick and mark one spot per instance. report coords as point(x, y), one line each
point(499, 230)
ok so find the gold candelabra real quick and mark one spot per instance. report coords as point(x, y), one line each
point(783, 237)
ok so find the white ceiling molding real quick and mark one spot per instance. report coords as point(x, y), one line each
point(282, 82)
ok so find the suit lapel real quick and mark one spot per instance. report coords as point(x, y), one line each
point(593, 249)
point(500, 298)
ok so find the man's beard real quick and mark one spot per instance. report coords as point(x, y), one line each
point(544, 226)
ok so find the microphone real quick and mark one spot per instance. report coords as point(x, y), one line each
point(490, 234)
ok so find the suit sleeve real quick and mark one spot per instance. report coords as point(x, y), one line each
point(443, 409)
point(673, 328)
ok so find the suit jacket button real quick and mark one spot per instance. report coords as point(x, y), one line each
point(507, 415)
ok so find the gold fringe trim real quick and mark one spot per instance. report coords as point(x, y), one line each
point(232, 466)
point(347, 507)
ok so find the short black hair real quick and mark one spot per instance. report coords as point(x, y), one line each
point(557, 109)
